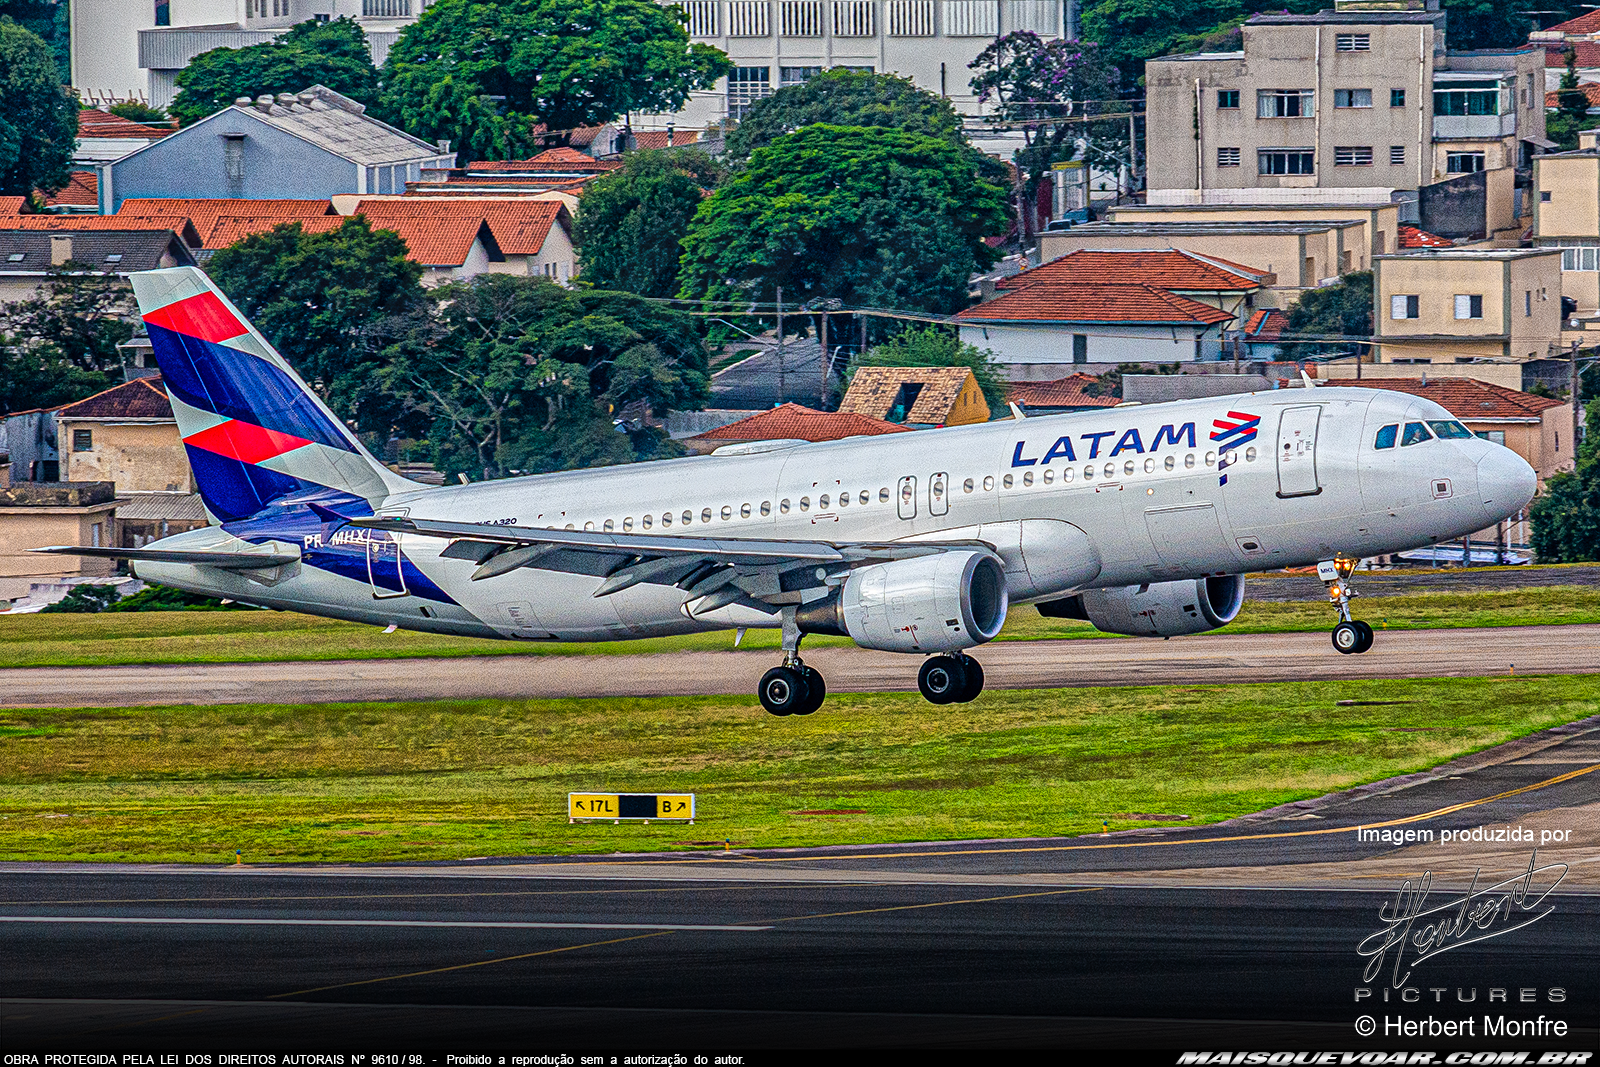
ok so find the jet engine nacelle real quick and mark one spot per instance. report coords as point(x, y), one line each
point(1162, 609)
point(936, 603)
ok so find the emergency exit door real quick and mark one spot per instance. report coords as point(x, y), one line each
point(1297, 451)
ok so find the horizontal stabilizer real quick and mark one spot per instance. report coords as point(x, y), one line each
point(237, 561)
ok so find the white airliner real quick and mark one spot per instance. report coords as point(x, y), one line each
point(1140, 519)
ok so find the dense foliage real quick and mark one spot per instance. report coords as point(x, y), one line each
point(333, 54)
point(842, 97)
point(871, 217)
point(60, 345)
point(1332, 312)
point(512, 64)
point(38, 116)
point(52, 21)
point(1566, 516)
point(631, 228)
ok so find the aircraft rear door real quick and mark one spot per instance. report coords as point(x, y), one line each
point(1297, 450)
point(385, 571)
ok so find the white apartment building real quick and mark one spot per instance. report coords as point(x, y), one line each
point(123, 48)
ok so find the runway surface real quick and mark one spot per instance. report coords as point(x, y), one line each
point(1242, 935)
point(1202, 659)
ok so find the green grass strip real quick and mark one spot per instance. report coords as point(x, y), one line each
point(448, 780)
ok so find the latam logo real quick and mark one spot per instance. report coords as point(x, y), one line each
point(1091, 445)
point(1234, 430)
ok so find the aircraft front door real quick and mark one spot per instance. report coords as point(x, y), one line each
point(1297, 451)
point(906, 496)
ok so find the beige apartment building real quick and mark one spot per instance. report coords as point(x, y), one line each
point(1364, 96)
point(1566, 215)
point(1295, 256)
point(1463, 305)
point(1380, 219)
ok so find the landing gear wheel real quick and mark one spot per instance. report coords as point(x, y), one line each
point(942, 679)
point(817, 690)
point(974, 684)
point(784, 691)
point(1366, 635)
point(1347, 638)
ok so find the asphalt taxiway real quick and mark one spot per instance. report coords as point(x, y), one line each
point(1220, 658)
point(1240, 934)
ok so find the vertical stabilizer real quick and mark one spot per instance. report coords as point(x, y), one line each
point(253, 431)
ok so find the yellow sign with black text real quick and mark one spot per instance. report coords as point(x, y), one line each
point(631, 806)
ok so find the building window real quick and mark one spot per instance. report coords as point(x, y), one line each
point(854, 18)
point(1080, 350)
point(749, 18)
point(1352, 98)
point(1285, 103)
point(1353, 42)
point(796, 75)
point(1403, 306)
point(971, 18)
point(1463, 162)
point(911, 18)
point(1579, 257)
point(1352, 156)
point(800, 18)
point(1527, 303)
point(1397, 98)
point(700, 16)
point(1228, 99)
point(83, 440)
point(375, 9)
point(163, 13)
point(1397, 154)
point(1469, 306)
point(1292, 161)
point(1227, 157)
point(1479, 100)
point(746, 85)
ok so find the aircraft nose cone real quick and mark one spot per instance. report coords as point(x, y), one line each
point(1505, 483)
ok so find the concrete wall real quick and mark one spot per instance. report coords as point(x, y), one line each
point(1507, 375)
point(1572, 182)
point(23, 528)
point(1381, 222)
point(1533, 296)
point(138, 457)
point(1110, 343)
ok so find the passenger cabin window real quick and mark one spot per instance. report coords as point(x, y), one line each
point(1386, 436)
point(1415, 433)
point(1448, 429)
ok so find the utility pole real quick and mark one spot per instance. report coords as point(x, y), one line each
point(780, 344)
point(1576, 392)
point(822, 395)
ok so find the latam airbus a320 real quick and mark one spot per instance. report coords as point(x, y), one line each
point(1140, 519)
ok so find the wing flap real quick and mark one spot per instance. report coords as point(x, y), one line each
point(238, 561)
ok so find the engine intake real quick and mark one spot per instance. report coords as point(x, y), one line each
point(938, 603)
point(1161, 609)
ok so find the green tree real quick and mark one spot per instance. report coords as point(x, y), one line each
point(165, 598)
point(1566, 516)
point(61, 344)
point(1342, 310)
point(934, 346)
point(632, 221)
point(1571, 113)
point(521, 375)
point(137, 111)
point(52, 21)
point(332, 53)
point(332, 304)
point(1132, 31)
point(85, 599)
point(842, 97)
point(38, 116)
point(563, 63)
point(1488, 23)
point(871, 217)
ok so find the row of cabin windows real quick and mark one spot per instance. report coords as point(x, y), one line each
point(1048, 476)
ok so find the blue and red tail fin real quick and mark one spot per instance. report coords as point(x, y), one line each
point(254, 433)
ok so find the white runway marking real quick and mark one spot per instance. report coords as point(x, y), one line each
point(166, 920)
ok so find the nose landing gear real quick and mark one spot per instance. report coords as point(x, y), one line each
point(1350, 636)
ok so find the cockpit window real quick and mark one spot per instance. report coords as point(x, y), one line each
point(1415, 433)
point(1386, 436)
point(1448, 429)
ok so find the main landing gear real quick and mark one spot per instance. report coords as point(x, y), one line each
point(950, 678)
point(1350, 636)
point(792, 688)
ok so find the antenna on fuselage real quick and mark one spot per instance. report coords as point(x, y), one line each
point(1307, 380)
point(1016, 412)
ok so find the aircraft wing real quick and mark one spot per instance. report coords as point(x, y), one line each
point(227, 560)
point(764, 574)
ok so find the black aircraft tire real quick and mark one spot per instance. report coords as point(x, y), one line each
point(942, 679)
point(817, 688)
point(1366, 636)
point(974, 686)
point(1346, 638)
point(783, 691)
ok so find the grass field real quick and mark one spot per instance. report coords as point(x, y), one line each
point(431, 781)
point(242, 636)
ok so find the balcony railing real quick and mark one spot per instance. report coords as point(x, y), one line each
point(1474, 126)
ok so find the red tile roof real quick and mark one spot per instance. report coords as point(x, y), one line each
point(550, 161)
point(92, 122)
point(438, 242)
point(205, 212)
point(1065, 392)
point(121, 223)
point(519, 225)
point(1267, 324)
point(794, 422)
point(1465, 398)
point(82, 190)
point(584, 135)
point(12, 205)
point(1591, 92)
point(1166, 268)
point(1055, 302)
point(1413, 237)
point(142, 398)
point(1588, 54)
point(658, 138)
point(1578, 27)
point(231, 229)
